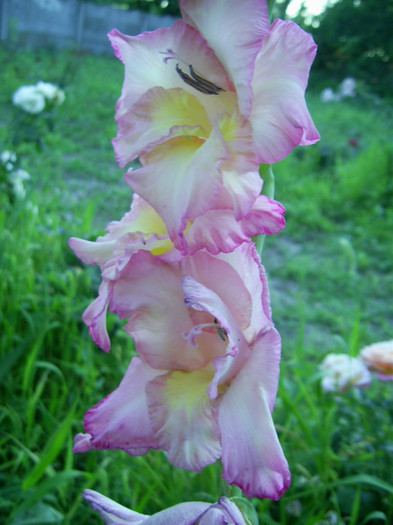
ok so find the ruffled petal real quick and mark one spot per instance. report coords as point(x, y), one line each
point(184, 419)
point(229, 363)
point(242, 186)
point(154, 59)
point(246, 264)
point(234, 30)
point(213, 516)
point(95, 316)
point(187, 513)
point(218, 231)
point(214, 274)
point(279, 115)
point(157, 116)
point(150, 295)
point(223, 512)
point(241, 179)
point(140, 228)
point(252, 455)
point(141, 218)
point(181, 180)
point(93, 253)
point(112, 513)
point(266, 217)
point(121, 420)
point(82, 443)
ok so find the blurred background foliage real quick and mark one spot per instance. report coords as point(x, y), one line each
point(355, 39)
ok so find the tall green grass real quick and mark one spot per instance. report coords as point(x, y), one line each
point(331, 283)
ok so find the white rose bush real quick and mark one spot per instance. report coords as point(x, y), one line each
point(35, 99)
point(207, 106)
point(35, 112)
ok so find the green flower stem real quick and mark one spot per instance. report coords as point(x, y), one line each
point(265, 170)
point(267, 175)
point(270, 5)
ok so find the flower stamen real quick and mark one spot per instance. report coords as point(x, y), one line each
point(193, 79)
point(197, 82)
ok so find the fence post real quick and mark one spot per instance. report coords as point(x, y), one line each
point(80, 23)
point(4, 19)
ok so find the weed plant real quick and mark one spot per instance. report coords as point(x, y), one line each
point(331, 279)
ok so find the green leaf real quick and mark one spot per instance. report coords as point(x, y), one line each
point(247, 509)
point(375, 515)
point(368, 480)
point(270, 5)
point(48, 486)
point(51, 451)
point(40, 514)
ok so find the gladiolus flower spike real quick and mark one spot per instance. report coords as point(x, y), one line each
point(207, 105)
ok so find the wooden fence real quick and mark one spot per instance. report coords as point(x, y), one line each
point(62, 24)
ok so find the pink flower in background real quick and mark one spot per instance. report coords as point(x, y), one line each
point(379, 359)
point(205, 384)
point(341, 372)
point(207, 100)
point(189, 513)
point(143, 229)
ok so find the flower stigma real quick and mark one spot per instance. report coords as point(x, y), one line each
point(198, 329)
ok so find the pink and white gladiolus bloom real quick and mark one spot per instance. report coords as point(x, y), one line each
point(188, 513)
point(379, 359)
point(143, 229)
point(205, 383)
point(206, 101)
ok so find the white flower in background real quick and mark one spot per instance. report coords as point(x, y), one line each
point(18, 189)
point(47, 89)
point(8, 158)
point(33, 99)
point(59, 97)
point(51, 92)
point(19, 175)
point(348, 87)
point(12, 178)
point(340, 372)
point(328, 95)
point(16, 179)
point(378, 358)
point(29, 98)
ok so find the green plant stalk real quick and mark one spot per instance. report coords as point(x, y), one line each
point(270, 5)
point(265, 170)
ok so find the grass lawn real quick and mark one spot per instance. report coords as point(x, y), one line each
point(331, 280)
